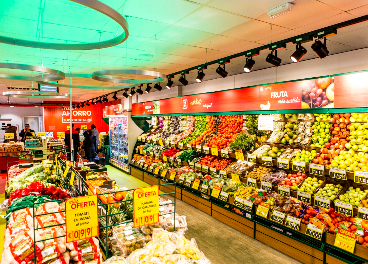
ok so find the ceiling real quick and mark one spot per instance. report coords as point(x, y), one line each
point(165, 35)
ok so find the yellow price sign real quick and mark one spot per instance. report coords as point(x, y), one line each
point(60, 134)
point(160, 141)
point(164, 158)
point(8, 136)
point(141, 151)
point(72, 179)
point(214, 151)
point(262, 210)
point(145, 206)
point(172, 175)
point(196, 184)
point(81, 218)
point(239, 154)
point(216, 191)
point(66, 171)
point(41, 134)
point(84, 127)
point(163, 173)
point(345, 240)
point(235, 177)
point(157, 169)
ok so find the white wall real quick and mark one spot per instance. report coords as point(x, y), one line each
point(17, 113)
point(356, 60)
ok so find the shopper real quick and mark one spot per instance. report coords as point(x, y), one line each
point(76, 142)
point(96, 134)
point(11, 129)
point(89, 145)
point(26, 132)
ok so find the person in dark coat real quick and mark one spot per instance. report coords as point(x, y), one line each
point(89, 145)
point(26, 132)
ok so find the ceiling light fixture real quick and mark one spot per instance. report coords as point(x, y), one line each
point(320, 48)
point(298, 53)
point(149, 88)
point(183, 80)
point(114, 96)
point(105, 100)
point(132, 92)
point(88, 104)
point(125, 94)
point(280, 10)
point(158, 86)
point(221, 71)
point(200, 76)
point(82, 105)
point(169, 83)
point(139, 90)
point(249, 63)
point(99, 100)
point(273, 59)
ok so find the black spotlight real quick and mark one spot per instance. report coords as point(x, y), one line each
point(200, 76)
point(88, 104)
point(114, 96)
point(320, 48)
point(158, 87)
point(78, 106)
point(249, 64)
point(183, 80)
point(221, 71)
point(169, 83)
point(132, 92)
point(125, 94)
point(92, 102)
point(148, 89)
point(82, 105)
point(273, 59)
point(99, 100)
point(105, 100)
point(298, 53)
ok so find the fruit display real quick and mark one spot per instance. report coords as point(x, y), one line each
point(329, 191)
point(200, 127)
point(244, 192)
point(318, 93)
point(290, 133)
point(293, 180)
point(291, 117)
point(305, 156)
point(304, 130)
point(353, 196)
point(275, 177)
point(310, 185)
point(273, 152)
point(259, 152)
point(171, 152)
point(189, 128)
point(187, 155)
point(243, 142)
point(321, 134)
point(241, 167)
point(289, 153)
point(258, 172)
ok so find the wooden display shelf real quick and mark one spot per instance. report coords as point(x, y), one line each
point(196, 201)
point(170, 189)
point(151, 180)
point(136, 173)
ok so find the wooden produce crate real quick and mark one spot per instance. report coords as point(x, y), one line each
point(170, 188)
point(136, 173)
point(234, 220)
point(196, 201)
point(360, 251)
point(288, 246)
point(151, 180)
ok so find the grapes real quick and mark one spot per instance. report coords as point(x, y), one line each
point(319, 99)
point(312, 95)
point(317, 103)
point(304, 93)
point(319, 91)
point(314, 90)
point(324, 102)
point(323, 93)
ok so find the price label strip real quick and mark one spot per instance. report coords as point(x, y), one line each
point(188, 183)
point(224, 153)
point(191, 165)
point(361, 177)
point(198, 166)
point(215, 191)
point(316, 169)
point(284, 191)
point(322, 202)
point(344, 208)
point(196, 184)
point(283, 164)
point(213, 171)
point(304, 197)
point(266, 186)
point(204, 169)
point(262, 210)
point(189, 147)
point(338, 174)
point(313, 232)
point(252, 158)
point(277, 217)
point(267, 161)
point(214, 151)
point(198, 148)
point(298, 166)
point(204, 188)
point(293, 222)
point(239, 202)
point(224, 196)
point(206, 150)
point(345, 240)
point(252, 182)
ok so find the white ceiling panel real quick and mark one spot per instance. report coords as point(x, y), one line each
point(345, 5)
point(181, 35)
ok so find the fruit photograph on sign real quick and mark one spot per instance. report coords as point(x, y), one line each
point(318, 93)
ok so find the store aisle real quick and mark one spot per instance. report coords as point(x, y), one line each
point(220, 243)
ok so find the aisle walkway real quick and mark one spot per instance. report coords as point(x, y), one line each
point(219, 242)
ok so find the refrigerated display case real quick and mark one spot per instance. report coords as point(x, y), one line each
point(119, 151)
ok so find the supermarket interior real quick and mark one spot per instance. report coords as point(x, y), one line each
point(183, 131)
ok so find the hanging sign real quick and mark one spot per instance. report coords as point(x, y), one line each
point(81, 218)
point(145, 206)
point(345, 240)
point(265, 122)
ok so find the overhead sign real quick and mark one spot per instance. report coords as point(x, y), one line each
point(145, 206)
point(81, 218)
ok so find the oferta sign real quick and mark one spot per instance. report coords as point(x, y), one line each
point(145, 206)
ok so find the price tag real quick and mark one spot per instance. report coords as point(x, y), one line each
point(179, 161)
point(267, 161)
point(339, 174)
point(313, 232)
point(156, 171)
point(139, 139)
point(160, 142)
point(72, 178)
point(304, 197)
point(141, 151)
point(284, 191)
point(204, 188)
point(60, 134)
point(322, 202)
point(41, 134)
point(163, 173)
point(189, 147)
point(149, 140)
point(154, 140)
point(206, 150)
point(144, 152)
point(239, 202)
point(143, 140)
point(199, 148)
point(171, 159)
point(224, 153)
point(363, 213)
point(188, 183)
point(172, 175)
point(252, 158)
point(224, 196)
point(344, 208)
point(198, 166)
point(262, 210)
point(235, 177)
point(252, 182)
point(223, 173)
point(191, 165)
point(196, 184)
point(266, 186)
point(145, 166)
point(164, 158)
point(277, 217)
point(213, 171)
point(173, 144)
point(283, 164)
point(345, 240)
point(361, 177)
point(248, 206)
point(150, 169)
point(157, 155)
point(239, 154)
point(298, 166)
point(181, 179)
point(214, 151)
point(215, 191)
point(316, 169)
point(204, 168)
point(167, 143)
point(292, 222)
point(181, 145)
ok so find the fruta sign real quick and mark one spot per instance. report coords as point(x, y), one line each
point(145, 206)
point(81, 218)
